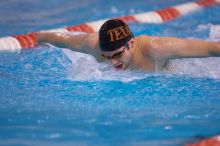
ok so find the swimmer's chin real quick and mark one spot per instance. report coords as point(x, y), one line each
point(121, 68)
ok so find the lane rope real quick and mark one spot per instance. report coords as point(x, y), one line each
point(24, 41)
point(214, 141)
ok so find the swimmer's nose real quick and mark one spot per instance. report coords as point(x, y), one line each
point(114, 61)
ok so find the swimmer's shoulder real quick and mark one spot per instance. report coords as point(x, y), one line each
point(146, 43)
point(151, 48)
point(146, 39)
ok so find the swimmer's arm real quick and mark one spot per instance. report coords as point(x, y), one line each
point(85, 43)
point(78, 42)
point(171, 48)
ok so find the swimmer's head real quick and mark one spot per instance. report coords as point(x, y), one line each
point(114, 34)
point(116, 42)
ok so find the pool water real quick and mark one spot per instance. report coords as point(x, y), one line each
point(53, 96)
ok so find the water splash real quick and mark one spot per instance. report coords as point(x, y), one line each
point(214, 34)
point(85, 67)
point(200, 67)
point(197, 67)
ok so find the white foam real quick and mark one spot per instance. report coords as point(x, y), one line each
point(85, 67)
point(214, 33)
point(198, 67)
point(203, 27)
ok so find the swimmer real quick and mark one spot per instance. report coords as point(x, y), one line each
point(116, 43)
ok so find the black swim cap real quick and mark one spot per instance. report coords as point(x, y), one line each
point(114, 34)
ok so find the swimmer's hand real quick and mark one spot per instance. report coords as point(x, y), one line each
point(40, 36)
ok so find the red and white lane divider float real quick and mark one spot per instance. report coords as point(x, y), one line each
point(214, 141)
point(24, 41)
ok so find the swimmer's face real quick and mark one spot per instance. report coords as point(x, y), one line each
point(120, 58)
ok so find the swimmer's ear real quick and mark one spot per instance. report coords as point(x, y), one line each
point(131, 43)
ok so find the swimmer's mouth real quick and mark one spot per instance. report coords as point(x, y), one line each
point(118, 67)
